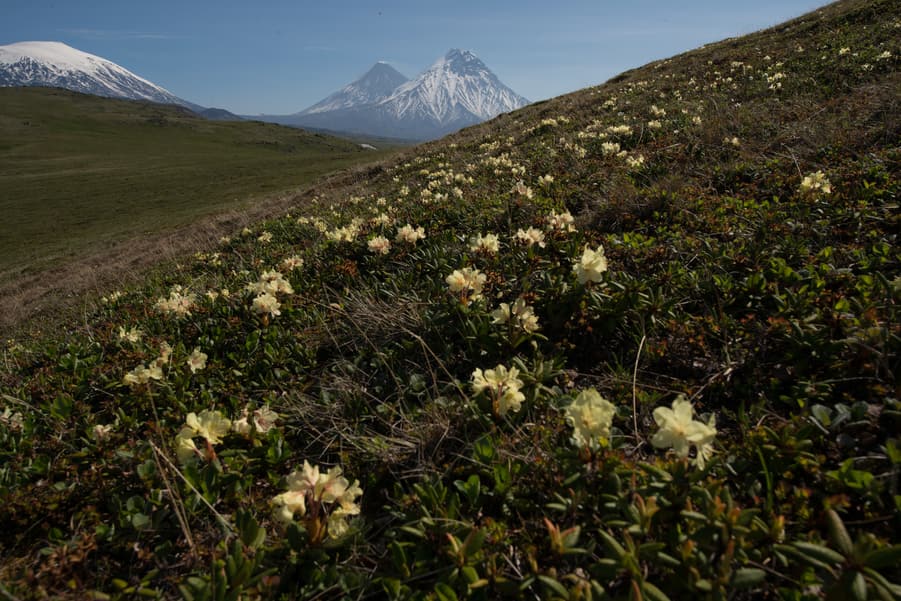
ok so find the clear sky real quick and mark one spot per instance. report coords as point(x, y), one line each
point(280, 56)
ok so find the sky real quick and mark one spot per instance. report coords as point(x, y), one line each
point(281, 56)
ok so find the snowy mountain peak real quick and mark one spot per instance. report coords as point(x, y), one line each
point(376, 84)
point(54, 64)
point(457, 85)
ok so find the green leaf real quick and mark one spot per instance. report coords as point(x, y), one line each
point(653, 593)
point(399, 559)
point(838, 533)
point(445, 592)
point(555, 586)
point(473, 542)
point(140, 520)
point(858, 587)
point(819, 553)
point(614, 546)
point(881, 583)
point(883, 558)
point(822, 414)
point(748, 578)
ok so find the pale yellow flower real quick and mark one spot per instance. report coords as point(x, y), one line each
point(271, 282)
point(101, 431)
point(522, 315)
point(141, 375)
point(262, 420)
point(502, 385)
point(488, 244)
point(679, 431)
point(379, 245)
point(266, 304)
point(591, 265)
point(634, 162)
point(608, 148)
point(315, 495)
point(410, 234)
point(211, 425)
point(291, 263)
point(131, 335)
point(815, 182)
point(289, 504)
point(197, 360)
point(178, 303)
point(530, 236)
point(591, 416)
point(185, 448)
point(467, 282)
point(561, 222)
point(523, 190)
point(265, 237)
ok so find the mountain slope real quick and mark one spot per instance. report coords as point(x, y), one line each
point(458, 90)
point(639, 341)
point(54, 64)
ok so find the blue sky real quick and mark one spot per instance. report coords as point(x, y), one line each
point(281, 56)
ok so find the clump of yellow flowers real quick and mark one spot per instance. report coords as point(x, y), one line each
point(322, 500)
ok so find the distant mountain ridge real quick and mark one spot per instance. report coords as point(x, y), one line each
point(54, 64)
point(458, 90)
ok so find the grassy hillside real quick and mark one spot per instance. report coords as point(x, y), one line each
point(645, 345)
point(78, 172)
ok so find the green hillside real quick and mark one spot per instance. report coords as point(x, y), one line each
point(79, 172)
point(636, 342)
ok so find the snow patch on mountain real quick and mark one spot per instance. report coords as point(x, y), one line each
point(54, 64)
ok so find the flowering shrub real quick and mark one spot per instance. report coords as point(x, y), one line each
point(323, 501)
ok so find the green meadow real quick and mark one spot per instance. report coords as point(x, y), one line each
point(78, 173)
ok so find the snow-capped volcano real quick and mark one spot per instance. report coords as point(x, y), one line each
point(456, 86)
point(54, 64)
point(375, 85)
point(456, 91)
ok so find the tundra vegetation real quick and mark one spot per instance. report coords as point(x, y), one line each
point(637, 342)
